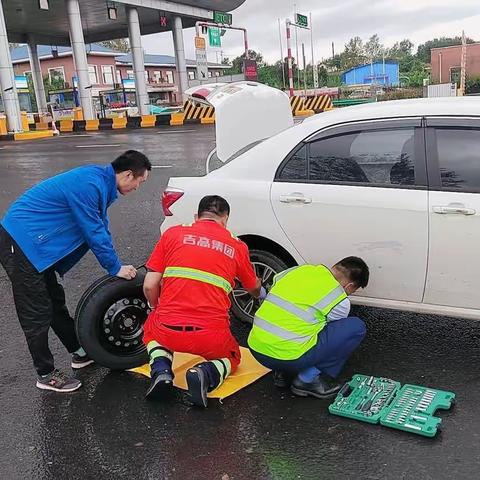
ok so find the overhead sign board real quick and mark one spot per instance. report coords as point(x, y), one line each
point(214, 37)
point(301, 20)
point(222, 17)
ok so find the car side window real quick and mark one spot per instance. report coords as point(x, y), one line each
point(295, 168)
point(378, 157)
point(459, 158)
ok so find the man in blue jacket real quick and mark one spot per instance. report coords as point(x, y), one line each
point(47, 231)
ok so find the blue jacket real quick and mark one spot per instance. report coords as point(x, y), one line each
point(57, 221)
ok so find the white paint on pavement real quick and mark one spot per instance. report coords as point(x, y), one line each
point(100, 145)
point(176, 131)
point(162, 166)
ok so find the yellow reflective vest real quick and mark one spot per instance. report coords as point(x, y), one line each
point(289, 320)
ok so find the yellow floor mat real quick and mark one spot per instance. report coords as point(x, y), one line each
point(248, 372)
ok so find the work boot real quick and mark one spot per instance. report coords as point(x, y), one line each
point(58, 382)
point(160, 384)
point(198, 386)
point(282, 379)
point(319, 388)
point(201, 379)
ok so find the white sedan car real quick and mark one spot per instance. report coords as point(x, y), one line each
point(396, 183)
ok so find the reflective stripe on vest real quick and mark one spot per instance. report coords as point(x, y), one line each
point(306, 315)
point(199, 275)
point(280, 332)
point(326, 301)
point(309, 315)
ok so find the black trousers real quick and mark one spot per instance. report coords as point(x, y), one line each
point(40, 304)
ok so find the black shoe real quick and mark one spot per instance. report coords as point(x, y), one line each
point(282, 379)
point(80, 361)
point(197, 382)
point(319, 388)
point(160, 385)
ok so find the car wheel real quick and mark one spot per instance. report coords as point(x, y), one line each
point(266, 267)
point(109, 322)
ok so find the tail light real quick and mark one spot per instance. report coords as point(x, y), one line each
point(169, 197)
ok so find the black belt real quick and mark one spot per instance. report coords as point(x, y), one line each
point(179, 328)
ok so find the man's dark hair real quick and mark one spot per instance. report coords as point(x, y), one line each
point(355, 269)
point(132, 160)
point(213, 204)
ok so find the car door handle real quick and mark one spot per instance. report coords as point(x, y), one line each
point(454, 209)
point(295, 198)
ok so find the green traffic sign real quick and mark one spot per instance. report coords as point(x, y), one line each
point(302, 20)
point(222, 17)
point(214, 37)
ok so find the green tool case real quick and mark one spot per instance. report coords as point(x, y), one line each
point(380, 400)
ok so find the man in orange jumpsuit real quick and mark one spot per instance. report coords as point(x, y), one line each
point(192, 271)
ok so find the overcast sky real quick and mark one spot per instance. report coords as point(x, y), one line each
point(335, 21)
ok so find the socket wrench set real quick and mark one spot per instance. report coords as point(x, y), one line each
point(410, 408)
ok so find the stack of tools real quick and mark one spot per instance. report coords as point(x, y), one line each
point(381, 400)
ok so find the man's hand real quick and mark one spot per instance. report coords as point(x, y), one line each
point(263, 294)
point(128, 272)
point(255, 292)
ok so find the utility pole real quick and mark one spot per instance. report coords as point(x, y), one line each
point(289, 54)
point(304, 69)
point(463, 68)
point(282, 58)
point(296, 46)
point(314, 67)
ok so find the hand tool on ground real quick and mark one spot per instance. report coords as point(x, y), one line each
point(410, 408)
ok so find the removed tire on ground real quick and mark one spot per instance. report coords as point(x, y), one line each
point(109, 322)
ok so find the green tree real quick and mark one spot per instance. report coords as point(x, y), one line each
point(401, 49)
point(333, 64)
point(271, 75)
point(424, 50)
point(51, 84)
point(322, 76)
point(119, 45)
point(402, 53)
point(237, 63)
point(417, 73)
point(354, 53)
point(374, 49)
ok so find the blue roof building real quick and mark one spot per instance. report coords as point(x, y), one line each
point(378, 73)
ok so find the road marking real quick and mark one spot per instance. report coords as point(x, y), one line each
point(162, 166)
point(73, 135)
point(100, 145)
point(176, 131)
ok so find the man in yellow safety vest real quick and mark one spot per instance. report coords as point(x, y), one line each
point(303, 329)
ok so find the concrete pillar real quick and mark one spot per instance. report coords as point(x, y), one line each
point(7, 80)
point(37, 76)
point(77, 42)
point(180, 56)
point(138, 60)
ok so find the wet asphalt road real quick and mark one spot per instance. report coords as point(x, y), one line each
point(107, 431)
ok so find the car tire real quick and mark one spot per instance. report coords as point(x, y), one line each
point(243, 305)
point(109, 322)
